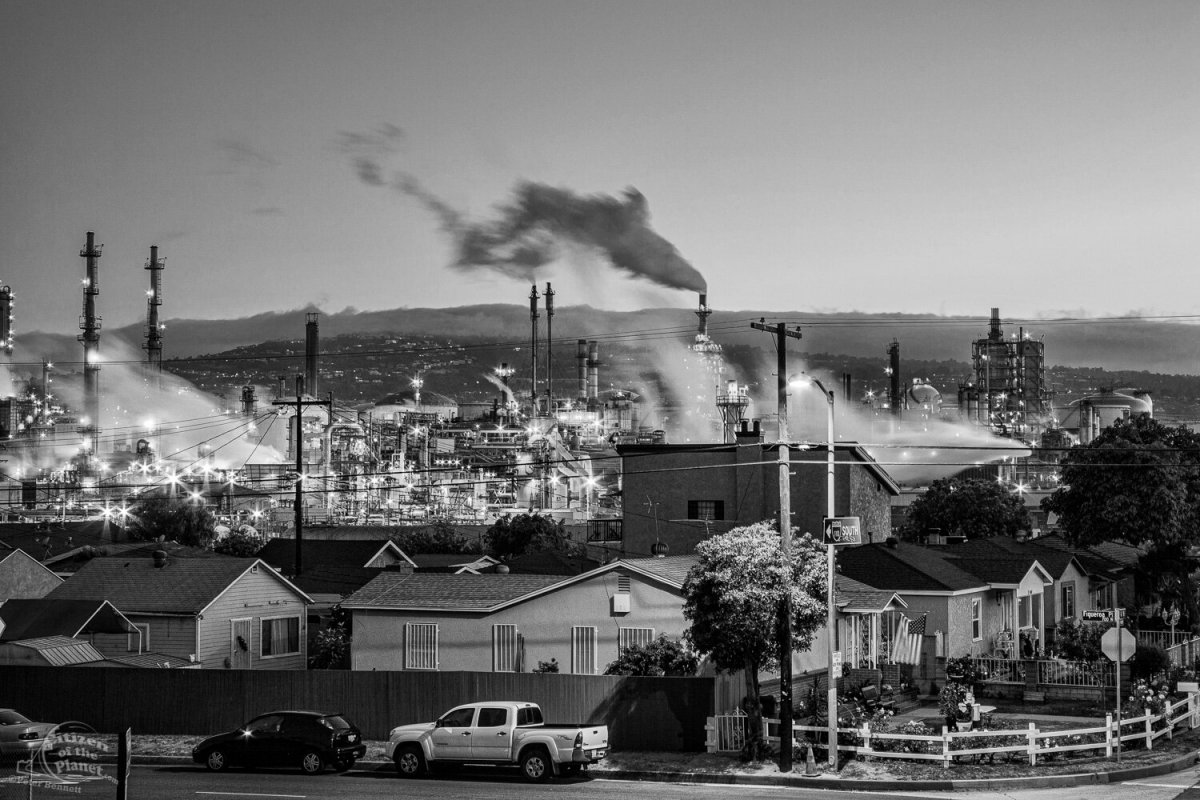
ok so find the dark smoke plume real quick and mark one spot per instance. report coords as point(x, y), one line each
point(537, 224)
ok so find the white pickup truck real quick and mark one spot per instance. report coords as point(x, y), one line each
point(503, 733)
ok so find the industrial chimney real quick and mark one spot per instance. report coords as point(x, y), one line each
point(581, 355)
point(894, 371)
point(533, 321)
point(90, 325)
point(593, 364)
point(6, 334)
point(153, 345)
point(249, 401)
point(549, 350)
point(312, 348)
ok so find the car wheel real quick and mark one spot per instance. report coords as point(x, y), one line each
point(342, 766)
point(312, 763)
point(410, 762)
point(535, 765)
point(217, 760)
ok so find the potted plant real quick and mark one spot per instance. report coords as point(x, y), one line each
point(957, 705)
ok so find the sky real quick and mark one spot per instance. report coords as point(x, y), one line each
point(923, 157)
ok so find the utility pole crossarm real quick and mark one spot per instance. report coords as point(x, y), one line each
point(300, 403)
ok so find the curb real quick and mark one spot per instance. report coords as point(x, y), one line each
point(653, 776)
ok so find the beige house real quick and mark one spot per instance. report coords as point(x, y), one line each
point(225, 613)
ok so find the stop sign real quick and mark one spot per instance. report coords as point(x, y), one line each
point(1109, 644)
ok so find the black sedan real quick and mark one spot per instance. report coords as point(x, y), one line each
point(309, 740)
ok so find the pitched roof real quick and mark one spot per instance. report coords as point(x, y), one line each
point(146, 660)
point(438, 591)
point(1001, 570)
point(856, 597)
point(549, 562)
point(281, 553)
point(182, 586)
point(49, 538)
point(61, 651)
point(670, 569)
point(905, 567)
point(1053, 560)
point(32, 619)
point(335, 579)
point(451, 562)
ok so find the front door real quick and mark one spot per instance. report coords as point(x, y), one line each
point(241, 639)
point(491, 739)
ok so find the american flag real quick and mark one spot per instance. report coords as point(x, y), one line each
point(906, 644)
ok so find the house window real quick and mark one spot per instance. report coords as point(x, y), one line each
point(583, 650)
point(706, 509)
point(138, 642)
point(280, 636)
point(628, 637)
point(420, 645)
point(1101, 595)
point(506, 649)
point(977, 619)
point(1068, 600)
point(1023, 616)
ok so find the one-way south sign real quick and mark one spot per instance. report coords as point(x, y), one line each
point(843, 530)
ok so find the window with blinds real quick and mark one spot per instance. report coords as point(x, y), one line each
point(583, 650)
point(506, 649)
point(628, 637)
point(420, 645)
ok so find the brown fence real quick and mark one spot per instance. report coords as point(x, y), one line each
point(641, 713)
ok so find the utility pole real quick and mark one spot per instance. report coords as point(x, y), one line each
point(782, 334)
point(301, 402)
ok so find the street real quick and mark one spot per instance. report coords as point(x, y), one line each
point(195, 783)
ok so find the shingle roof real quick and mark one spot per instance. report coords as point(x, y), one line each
point(433, 591)
point(32, 619)
point(183, 586)
point(1053, 560)
point(672, 569)
point(335, 579)
point(281, 553)
point(41, 542)
point(905, 567)
point(855, 596)
point(997, 570)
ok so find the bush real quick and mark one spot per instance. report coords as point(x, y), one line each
point(545, 667)
point(1078, 641)
point(1149, 661)
point(663, 656)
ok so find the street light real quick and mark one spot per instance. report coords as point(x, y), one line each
point(831, 697)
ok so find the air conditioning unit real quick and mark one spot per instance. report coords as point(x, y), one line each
point(620, 603)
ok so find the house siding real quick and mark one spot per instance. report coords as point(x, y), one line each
point(175, 636)
point(545, 623)
point(253, 596)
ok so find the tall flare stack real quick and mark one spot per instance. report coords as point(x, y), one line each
point(154, 328)
point(89, 323)
point(549, 349)
point(533, 342)
point(312, 351)
point(593, 365)
point(6, 334)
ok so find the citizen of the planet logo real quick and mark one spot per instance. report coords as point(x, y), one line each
point(69, 757)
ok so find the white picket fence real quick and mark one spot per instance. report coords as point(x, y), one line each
point(727, 733)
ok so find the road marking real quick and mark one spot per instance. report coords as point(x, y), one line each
point(1158, 785)
point(251, 794)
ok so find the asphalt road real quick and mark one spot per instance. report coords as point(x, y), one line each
point(196, 783)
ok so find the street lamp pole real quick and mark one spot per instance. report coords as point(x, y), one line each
point(830, 556)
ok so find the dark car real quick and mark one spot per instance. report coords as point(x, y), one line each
point(309, 740)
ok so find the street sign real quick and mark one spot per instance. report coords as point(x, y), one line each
point(1118, 644)
point(1102, 615)
point(843, 530)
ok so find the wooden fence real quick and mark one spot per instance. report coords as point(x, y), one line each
point(727, 734)
point(641, 713)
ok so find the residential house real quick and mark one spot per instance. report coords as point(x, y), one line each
point(75, 619)
point(677, 495)
point(24, 577)
point(232, 613)
point(50, 651)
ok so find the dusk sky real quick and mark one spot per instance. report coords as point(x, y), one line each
point(944, 157)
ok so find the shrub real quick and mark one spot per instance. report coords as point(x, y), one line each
point(1149, 661)
point(545, 667)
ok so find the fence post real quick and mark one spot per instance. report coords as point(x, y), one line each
point(710, 735)
point(1192, 721)
point(1033, 743)
point(1149, 734)
point(1108, 736)
point(865, 750)
point(945, 747)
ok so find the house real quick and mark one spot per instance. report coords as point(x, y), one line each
point(75, 619)
point(232, 613)
point(970, 601)
point(676, 495)
point(24, 577)
point(510, 622)
point(49, 651)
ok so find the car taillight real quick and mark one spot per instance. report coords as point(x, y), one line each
point(579, 740)
point(29, 736)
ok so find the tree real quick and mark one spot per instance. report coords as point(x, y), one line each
point(971, 507)
point(512, 536)
point(331, 649)
point(661, 656)
point(244, 542)
point(175, 520)
point(732, 598)
point(1138, 482)
point(440, 537)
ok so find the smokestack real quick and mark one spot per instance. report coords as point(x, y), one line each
point(703, 312)
point(153, 345)
point(533, 321)
point(581, 354)
point(593, 371)
point(994, 333)
point(6, 318)
point(894, 370)
point(90, 324)
point(549, 349)
point(312, 348)
point(249, 401)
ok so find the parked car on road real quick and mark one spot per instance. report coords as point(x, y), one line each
point(309, 740)
point(497, 733)
point(19, 735)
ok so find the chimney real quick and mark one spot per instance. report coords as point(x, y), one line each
point(581, 350)
point(312, 347)
point(593, 364)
